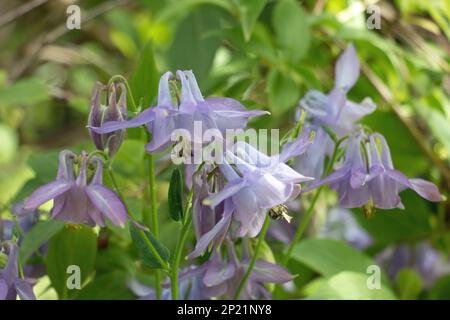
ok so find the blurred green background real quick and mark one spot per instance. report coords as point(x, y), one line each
point(264, 53)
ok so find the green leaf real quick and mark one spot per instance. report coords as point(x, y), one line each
point(291, 29)
point(144, 81)
point(283, 92)
point(175, 195)
point(109, 286)
point(409, 284)
point(13, 177)
point(249, 11)
point(329, 257)
point(350, 286)
point(3, 260)
point(9, 145)
point(24, 92)
point(73, 245)
point(194, 46)
point(437, 122)
point(42, 232)
point(129, 160)
point(114, 258)
point(441, 289)
point(45, 165)
point(144, 252)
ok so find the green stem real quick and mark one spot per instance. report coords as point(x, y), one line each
point(150, 219)
point(262, 235)
point(187, 222)
point(307, 217)
point(141, 233)
point(130, 93)
point(303, 224)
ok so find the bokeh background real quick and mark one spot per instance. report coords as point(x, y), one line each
point(266, 54)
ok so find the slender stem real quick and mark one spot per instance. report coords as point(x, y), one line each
point(187, 222)
point(141, 233)
point(150, 219)
point(303, 224)
point(262, 235)
point(307, 217)
point(130, 93)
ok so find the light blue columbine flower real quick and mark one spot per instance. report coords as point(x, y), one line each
point(367, 177)
point(332, 110)
point(256, 185)
point(167, 116)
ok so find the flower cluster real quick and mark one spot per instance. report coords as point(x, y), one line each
point(367, 178)
point(233, 197)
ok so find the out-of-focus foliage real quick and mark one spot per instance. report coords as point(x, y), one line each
point(262, 52)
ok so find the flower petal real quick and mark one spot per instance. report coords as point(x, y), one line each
point(296, 147)
point(269, 272)
point(347, 69)
point(426, 189)
point(10, 272)
point(215, 232)
point(3, 289)
point(24, 290)
point(217, 272)
point(164, 96)
point(145, 117)
point(231, 188)
point(108, 203)
point(45, 193)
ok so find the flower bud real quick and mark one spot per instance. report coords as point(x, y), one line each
point(114, 110)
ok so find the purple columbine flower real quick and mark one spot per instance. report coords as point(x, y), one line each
point(25, 221)
point(257, 185)
point(167, 116)
point(422, 257)
point(230, 272)
point(210, 223)
point(10, 283)
point(332, 110)
point(220, 277)
point(367, 177)
point(190, 286)
point(76, 201)
point(113, 111)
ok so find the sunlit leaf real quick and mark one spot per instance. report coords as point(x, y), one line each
point(249, 11)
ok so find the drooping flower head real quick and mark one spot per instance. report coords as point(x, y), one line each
point(74, 199)
point(11, 285)
point(367, 177)
point(171, 114)
point(228, 271)
point(114, 110)
point(332, 110)
point(257, 185)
